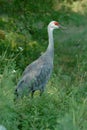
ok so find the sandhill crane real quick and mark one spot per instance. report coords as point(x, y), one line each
point(2, 127)
point(37, 74)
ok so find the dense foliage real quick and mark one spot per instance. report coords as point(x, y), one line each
point(23, 38)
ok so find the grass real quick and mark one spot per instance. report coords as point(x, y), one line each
point(63, 106)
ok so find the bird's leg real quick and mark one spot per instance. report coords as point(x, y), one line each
point(32, 93)
point(41, 91)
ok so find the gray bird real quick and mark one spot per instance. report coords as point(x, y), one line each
point(2, 127)
point(37, 74)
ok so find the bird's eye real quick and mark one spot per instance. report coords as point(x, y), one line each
point(56, 23)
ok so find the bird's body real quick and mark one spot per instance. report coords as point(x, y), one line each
point(36, 75)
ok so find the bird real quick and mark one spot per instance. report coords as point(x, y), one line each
point(37, 74)
point(2, 127)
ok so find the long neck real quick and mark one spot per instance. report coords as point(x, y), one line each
point(50, 48)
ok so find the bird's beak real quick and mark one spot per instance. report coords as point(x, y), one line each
point(62, 27)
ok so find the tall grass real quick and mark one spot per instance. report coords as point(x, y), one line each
point(63, 105)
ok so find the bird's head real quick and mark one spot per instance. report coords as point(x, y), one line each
point(54, 25)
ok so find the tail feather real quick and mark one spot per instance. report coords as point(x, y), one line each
point(16, 95)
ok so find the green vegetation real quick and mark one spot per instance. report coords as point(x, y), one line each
point(23, 37)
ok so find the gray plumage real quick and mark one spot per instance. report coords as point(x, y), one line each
point(37, 74)
point(2, 127)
